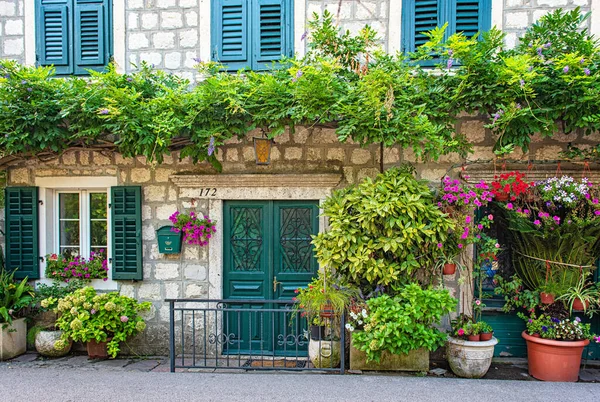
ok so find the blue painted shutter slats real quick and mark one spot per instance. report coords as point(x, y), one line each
point(230, 33)
point(54, 35)
point(125, 205)
point(91, 32)
point(427, 17)
point(22, 243)
point(470, 16)
point(270, 31)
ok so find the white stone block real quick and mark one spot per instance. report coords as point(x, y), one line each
point(149, 291)
point(164, 40)
point(13, 27)
point(148, 232)
point(513, 3)
point(164, 211)
point(154, 193)
point(171, 20)
point(149, 20)
point(154, 58)
point(188, 3)
point(366, 10)
point(510, 40)
point(188, 38)
point(165, 3)
point(127, 290)
point(7, 8)
point(166, 271)
point(138, 41)
point(537, 14)
point(132, 21)
point(14, 47)
point(173, 60)
point(191, 18)
point(345, 11)
point(172, 290)
point(552, 3)
point(133, 59)
point(186, 75)
point(190, 59)
point(194, 290)
point(516, 19)
point(133, 4)
point(195, 272)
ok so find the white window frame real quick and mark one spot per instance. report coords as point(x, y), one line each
point(49, 188)
point(85, 246)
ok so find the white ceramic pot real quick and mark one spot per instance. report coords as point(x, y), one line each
point(324, 354)
point(470, 359)
point(13, 339)
point(45, 344)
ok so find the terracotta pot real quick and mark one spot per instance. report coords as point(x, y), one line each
point(536, 335)
point(551, 360)
point(502, 197)
point(327, 311)
point(474, 338)
point(546, 298)
point(578, 304)
point(449, 269)
point(97, 350)
point(485, 336)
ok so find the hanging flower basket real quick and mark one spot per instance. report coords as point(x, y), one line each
point(195, 230)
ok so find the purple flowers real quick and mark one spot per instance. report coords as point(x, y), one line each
point(586, 71)
point(539, 52)
point(522, 83)
point(440, 245)
point(304, 35)
point(299, 74)
point(211, 145)
point(566, 69)
point(449, 63)
point(103, 111)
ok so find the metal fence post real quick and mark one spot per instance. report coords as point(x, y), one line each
point(172, 335)
point(343, 343)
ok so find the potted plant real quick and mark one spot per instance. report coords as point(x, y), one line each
point(323, 303)
point(397, 332)
point(509, 186)
point(486, 331)
point(584, 296)
point(15, 298)
point(66, 269)
point(101, 320)
point(548, 293)
point(469, 358)
point(555, 345)
point(44, 334)
point(196, 230)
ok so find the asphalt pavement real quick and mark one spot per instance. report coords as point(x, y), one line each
point(111, 382)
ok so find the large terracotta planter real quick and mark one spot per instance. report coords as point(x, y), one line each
point(470, 359)
point(45, 341)
point(13, 339)
point(415, 360)
point(550, 360)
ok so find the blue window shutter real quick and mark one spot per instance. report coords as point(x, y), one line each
point(271, 31)
point(230, 33)
point(92, 34)
point(126, 220)
point(22, 243)
point(54, 33)
point(419, 16)
point(469, 16)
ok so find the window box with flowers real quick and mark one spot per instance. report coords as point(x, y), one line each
point(62, 268)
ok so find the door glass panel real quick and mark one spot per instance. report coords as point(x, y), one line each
point(295, 239)
point(246, 239)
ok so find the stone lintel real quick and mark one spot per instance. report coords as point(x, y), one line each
point(325, 180)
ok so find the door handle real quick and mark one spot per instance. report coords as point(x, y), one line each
point(275, 283)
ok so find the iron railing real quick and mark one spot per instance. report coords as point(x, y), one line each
point(252, 335)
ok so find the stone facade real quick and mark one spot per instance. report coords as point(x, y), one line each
point(12, 31)
point(196, 272)
point(519, 14)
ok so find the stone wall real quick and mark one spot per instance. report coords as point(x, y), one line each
point(307, 150)
point(164, 33)
point(12, 39)
point(519, 14)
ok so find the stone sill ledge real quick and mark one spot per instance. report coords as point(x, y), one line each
point(326, 180)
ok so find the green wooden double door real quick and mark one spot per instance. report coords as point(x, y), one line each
point(267, 256)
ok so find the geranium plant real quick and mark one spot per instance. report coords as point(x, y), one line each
point(510, 186)
point(85, 315)
point(196, 230)
point(68, 268)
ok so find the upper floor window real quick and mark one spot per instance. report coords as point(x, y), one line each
point(251, 33)
point(419, 16)
point(73, 35)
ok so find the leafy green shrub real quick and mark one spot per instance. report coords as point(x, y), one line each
point(382, 231)
point(403, 323)
point(86, 316)
point(14, 297)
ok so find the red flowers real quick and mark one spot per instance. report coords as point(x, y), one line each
point(510, 185)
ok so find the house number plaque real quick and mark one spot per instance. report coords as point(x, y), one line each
point(208, 192)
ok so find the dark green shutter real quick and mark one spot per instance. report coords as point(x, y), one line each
point(125, 206)
point(469, 16)
point(22, 244)
point(54, 33)
point(230, 33)
point(271, 31)
point(91, 34)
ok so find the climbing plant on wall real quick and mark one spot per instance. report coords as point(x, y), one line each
point(550, 81)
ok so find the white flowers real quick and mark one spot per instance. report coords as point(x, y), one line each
point(364, 313)
point(349, 327)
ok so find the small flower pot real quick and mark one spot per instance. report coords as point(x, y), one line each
point(327, 311)
point(474, 338)
point(485, 336)
point(546, 298)
point(449, 269)
point(501, 197)
point(579, 305)
point(97, 350)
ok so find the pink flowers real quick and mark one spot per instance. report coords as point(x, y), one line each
point(537, 222)
point(460, 332)
point(195, 230)
point(440, 245)
point(478, 302)
point(124, 318)
point(509, 205)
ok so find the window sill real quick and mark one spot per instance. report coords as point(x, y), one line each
point(97, 284)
